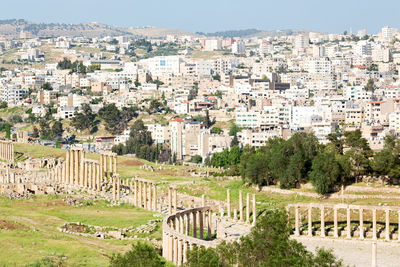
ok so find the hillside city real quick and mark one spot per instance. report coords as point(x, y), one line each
point(184, 144)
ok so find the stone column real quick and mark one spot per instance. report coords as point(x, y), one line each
point(248, 208)
point(179, 262)
point(118, 188)
point(194, 224)
point(175, 261)
point(67, 162)
point(203, 200)
point(169, 200)
point(110, 164)
point(374, 224)
point(114, 189)
point(63, 173)
point(209, 221)
point(98, 183)
point(348, 228)
point(171, 248)
point(228, 202)
point(373, 258)
point(185, 249)
point(322, 221)
point(387, 226)
point(115, 164)
point(90, 175)
point(150, 189)
point(241, 205)
point(82, 160)
point(398, 225)
point(187, 227)
point(296, 221)
point(140, 195)
point(136, 192)
point(145, 195)
point(309, 220)
point(71, 167)
point(175, 200)
point(201, 226)
point(335, 222)
point(154, 197)
point(254, 209)
point(101, 165)
point(361, 223)
point(85, 175)
point(76, 164)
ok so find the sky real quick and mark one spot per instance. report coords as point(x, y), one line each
point(331, 16)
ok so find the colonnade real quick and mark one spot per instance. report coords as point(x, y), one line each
point(185, 229)
point(74, 166)
point(108, 164)
point(7, 151)
point(242, 209)
point(355, 226)
point(91, 174)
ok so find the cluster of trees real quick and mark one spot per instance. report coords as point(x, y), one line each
point(268, 244)
point(85, 120)
point(139, 143)
point(301, 159)
point(77, 66)
point(116, 121)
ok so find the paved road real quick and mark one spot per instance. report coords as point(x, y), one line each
point(357, 252)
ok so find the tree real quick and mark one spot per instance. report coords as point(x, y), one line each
point(116, 120)
point(234, 129)
point(326, 172)
point(196, 159)
point(15, 119)
point(141, 255)
point(370, 85)
point(358, 152)
point(235, 141)
point(84, 120)
point(3, 104)
point(57, 129)
point(47, 86)
point(216, 130)
point(217, 77)
point(207, 120)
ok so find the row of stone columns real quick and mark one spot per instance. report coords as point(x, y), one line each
point(74, 169)
point(241, 208)
point(145, 194)
point(195, 223)
point(91, 175)
point(360, 211)
point(108, 164)
point(7, 151)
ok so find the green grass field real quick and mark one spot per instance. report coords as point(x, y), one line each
point(35, 236)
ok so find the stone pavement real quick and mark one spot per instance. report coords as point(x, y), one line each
point(356, 252)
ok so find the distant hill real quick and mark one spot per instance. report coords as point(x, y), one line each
point(12, 28)
point(275, 33)
point(231, 34)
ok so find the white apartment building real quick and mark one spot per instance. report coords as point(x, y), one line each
point(238, 48)
point(12, 95)
point(163, 64)
point(388, 33)
point(212, 44)
point(319, 66)
point(394, 122)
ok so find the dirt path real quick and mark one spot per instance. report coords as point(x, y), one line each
point(357, 252)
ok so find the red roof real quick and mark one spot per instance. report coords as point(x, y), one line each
point(177, 119)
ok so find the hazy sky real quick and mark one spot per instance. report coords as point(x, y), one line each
point(213, 15)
